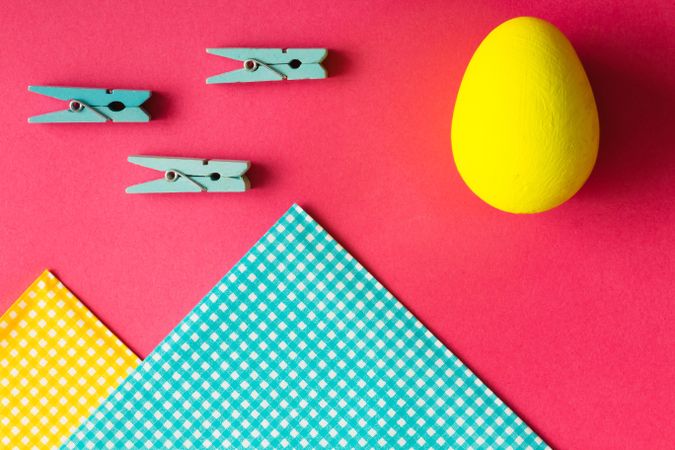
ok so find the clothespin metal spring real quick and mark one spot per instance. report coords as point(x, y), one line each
point(251, 65)
point(172, 175)
point(79, 105)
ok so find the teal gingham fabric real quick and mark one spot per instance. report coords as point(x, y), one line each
point(298, 346)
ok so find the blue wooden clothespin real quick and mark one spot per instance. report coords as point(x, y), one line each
point(93, 105)
point(271, 64)
point(191, 175)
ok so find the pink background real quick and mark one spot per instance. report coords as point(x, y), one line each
point(568, 315)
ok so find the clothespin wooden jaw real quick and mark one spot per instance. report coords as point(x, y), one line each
point(191, 175)
point(87, 105)
point(271, 64)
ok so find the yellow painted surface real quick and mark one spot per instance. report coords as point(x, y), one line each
point(57, 363)
point(525, 127)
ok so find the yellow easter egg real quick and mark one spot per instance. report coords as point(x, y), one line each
point(525, 127)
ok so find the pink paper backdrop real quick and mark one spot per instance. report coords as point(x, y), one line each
point(568, 315)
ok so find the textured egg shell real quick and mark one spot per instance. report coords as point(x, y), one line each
point(525, 127)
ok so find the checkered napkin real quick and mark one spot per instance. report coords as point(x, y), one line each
point(300, 347)
point(58, 362)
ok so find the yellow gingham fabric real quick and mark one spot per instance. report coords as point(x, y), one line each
point(58, 362)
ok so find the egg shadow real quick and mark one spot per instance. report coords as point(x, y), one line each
point(636, 126)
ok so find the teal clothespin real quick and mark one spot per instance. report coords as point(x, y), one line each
point(191, 175)
point(93, 105)
point(271, 64)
